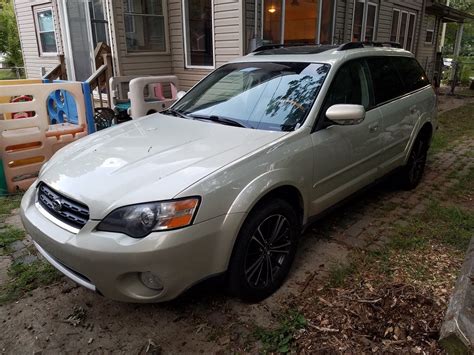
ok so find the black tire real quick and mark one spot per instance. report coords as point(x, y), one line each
point(260, 264)
point(412, 172)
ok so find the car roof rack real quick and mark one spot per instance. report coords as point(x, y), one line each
point(356, 45)
point(267, 47)
point(293, 48)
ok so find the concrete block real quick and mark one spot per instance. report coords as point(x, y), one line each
point(457, 330)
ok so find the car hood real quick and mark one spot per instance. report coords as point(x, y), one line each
point(149, 159)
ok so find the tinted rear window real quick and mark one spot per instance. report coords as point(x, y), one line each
point(411, 72)
point(386, 81)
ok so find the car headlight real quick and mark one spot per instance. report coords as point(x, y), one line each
point(138, 221)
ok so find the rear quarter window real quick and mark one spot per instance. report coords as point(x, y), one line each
point(386, 81)
point(411, 73)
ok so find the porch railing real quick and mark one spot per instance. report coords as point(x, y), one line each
point(98, 81)
point(58, 72)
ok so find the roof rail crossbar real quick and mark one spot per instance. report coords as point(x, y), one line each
point(266, 47)
point(355, 45)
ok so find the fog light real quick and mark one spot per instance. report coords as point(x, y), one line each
point(150, 280)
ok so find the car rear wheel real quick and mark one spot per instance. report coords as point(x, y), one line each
point(264, 251)
point(412, 172)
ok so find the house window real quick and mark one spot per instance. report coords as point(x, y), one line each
point(364, 21)
point(45, 31)
point(403, 28)
point(99, 24)
point(198, 33)
point(430, 26)
point(145, 25)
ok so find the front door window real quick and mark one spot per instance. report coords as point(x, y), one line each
point(296, 21)
point(301, 18)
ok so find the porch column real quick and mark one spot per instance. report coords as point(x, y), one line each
point(457, 45)
point(457, 50)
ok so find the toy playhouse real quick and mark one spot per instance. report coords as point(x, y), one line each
point(36, 120)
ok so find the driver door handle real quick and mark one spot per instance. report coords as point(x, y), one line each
point(373, 127)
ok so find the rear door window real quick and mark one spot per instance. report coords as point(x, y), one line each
point(386, 82)
point(411, 72)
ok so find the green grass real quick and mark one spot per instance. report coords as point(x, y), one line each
point(464, 184)
point(450, 225)
point(446, 224)
point(7, 75)
point(281, 338)
point(409, 237)
point(7, 204)
point(25, 278)
point(453, 125)
point(9, 235)
point(338, 273)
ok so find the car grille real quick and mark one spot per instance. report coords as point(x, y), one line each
point(70, 212)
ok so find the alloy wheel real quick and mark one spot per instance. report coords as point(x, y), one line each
point(418, 162)
point(268, 250)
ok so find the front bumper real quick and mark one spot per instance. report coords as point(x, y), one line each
point(110, 263)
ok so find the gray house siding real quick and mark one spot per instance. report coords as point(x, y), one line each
point(35, 64)
point(234, 22)
point(228, 43)
point(427, 51)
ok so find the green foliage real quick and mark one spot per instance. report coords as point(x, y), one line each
point(467, 45)
point(27, 277)
point(9, 39)
point(280, 339)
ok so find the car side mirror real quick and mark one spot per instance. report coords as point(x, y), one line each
point(180, 94)
point(346, 114)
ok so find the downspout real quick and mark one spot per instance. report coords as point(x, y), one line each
point(345, 23)
point(109, 8)
point(423, 12)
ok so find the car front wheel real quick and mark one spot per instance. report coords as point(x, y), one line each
point(264, 251)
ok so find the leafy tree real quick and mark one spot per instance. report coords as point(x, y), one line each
point(9, 40)
point(467, 44)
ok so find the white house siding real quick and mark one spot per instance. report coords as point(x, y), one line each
point(35, 64)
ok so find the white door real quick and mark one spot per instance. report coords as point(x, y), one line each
point(83, 24)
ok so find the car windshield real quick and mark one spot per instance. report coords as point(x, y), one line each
point(268, 96)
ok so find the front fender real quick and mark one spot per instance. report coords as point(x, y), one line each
point(265, 184)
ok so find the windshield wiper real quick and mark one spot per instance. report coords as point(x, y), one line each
point(219, 119)
point(174, 112)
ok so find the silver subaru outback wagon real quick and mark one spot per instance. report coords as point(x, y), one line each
point(225, 180)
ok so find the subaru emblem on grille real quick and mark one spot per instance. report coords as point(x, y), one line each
point(57, 205)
